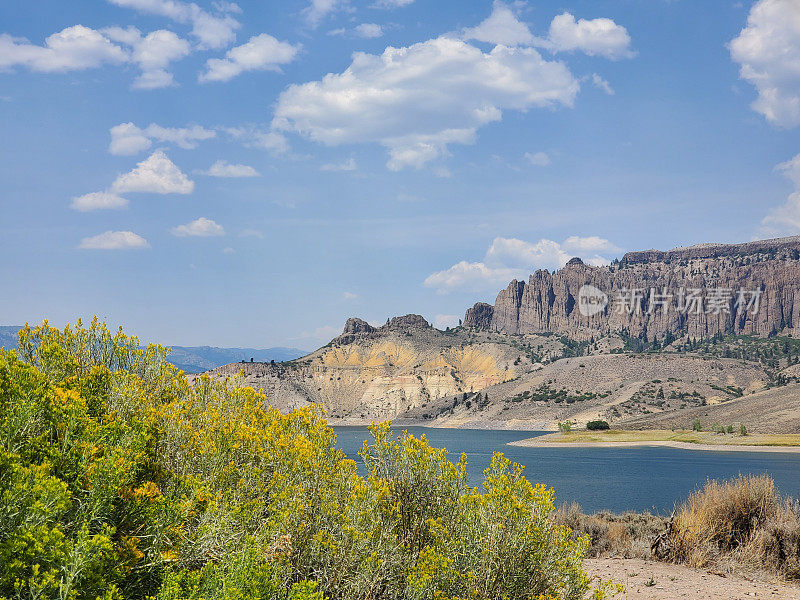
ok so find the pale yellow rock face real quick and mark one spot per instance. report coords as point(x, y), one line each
point(388, 377)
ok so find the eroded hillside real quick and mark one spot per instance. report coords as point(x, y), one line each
point(412, 373)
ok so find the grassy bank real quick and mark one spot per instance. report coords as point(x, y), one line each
point(666, 437)
point(742, 525)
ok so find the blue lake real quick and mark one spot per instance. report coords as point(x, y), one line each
point(616, 479)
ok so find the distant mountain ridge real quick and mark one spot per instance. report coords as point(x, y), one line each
point(192, 359)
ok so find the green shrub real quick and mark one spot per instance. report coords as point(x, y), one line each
point(597, 425)
point(118, 480)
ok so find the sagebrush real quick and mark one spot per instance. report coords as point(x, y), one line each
point(118, 480)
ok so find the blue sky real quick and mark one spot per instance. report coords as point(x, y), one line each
point(252, 174)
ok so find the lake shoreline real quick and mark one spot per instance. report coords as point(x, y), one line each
point(556, 440)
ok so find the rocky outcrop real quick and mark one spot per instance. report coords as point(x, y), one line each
point(751, 288)
point(479, 316)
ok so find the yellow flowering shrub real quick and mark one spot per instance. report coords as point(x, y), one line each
point(119, 480)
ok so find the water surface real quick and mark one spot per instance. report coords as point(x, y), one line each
point(617, 479)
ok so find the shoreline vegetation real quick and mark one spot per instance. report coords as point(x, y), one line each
point(120, 480)
point(686, 440)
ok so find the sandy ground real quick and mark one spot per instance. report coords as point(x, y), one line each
point(646, 580)
point(537, 442)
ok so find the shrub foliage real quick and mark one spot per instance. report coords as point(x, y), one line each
point(119, 479)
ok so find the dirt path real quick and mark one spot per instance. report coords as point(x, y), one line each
point(646, 580)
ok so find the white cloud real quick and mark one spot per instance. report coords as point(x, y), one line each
point(228, 250)
point(128, 139)
point(584, 246)
point(595, 37)
point(212, 31)
point(262, 53)
point(114, 240)
point(201, 227)
point(526, 255)
point(417, 100)
point(540, 159)
point(319, 10)
point(348, 165)
point(501, 27)
point(511, 258)
point(153, 53)
point(785, 219)
point(223, 168)
point(251, 233)
point(602, 84)
point(73, 48)
point(98, 201)
point(473, 276)
point(369, 30)
point(157, 174)
point(768, 52)
point(183, 137)
point(445, 321)
point(791, 169)
point(349, 296)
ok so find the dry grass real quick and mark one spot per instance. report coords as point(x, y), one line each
point(628, 535)
point(741, 525)
point(738, 524)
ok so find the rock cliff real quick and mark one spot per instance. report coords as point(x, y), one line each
point(751, 288)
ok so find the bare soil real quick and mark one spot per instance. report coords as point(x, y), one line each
point(649, 580)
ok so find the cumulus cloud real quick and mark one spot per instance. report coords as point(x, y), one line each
point(595, 37)
point(98, 201)
point(157, 174)
point(261, 53)
point(785, 219)
point(211, 31)
point(539, 159)
point(473, 276)
point(153, 53)
point(114, 240)
point(501, 27)
point(511, 258)
point(318, 10)
point(369, 30)
point(417, 100)
point(791, 169)
point(128, 139)
point(222, 168)
point(73, 48)
point(349, 296)
point(201, 227)
point(768, 52)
